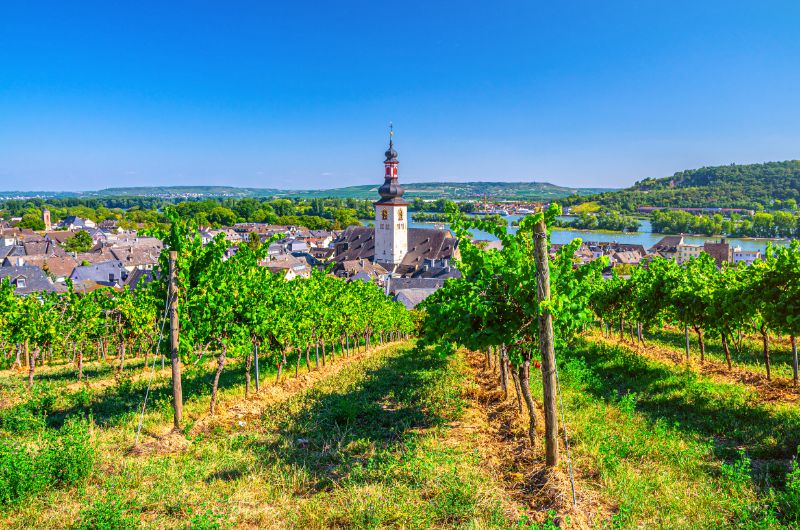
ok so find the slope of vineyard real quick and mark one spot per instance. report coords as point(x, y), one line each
point(667, 447)
point(648, 391)
point(668, 345)
point(676, 450)
point(365, 445)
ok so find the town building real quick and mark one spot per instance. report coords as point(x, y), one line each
point(685, 252)
point(667, 246)
point(27, 279)
point(76, 223)
point(721, 251)
point(744, 256)
point(391, 244)
point(110, 273)
point(48, 225)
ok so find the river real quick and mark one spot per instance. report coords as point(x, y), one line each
point(645, 237)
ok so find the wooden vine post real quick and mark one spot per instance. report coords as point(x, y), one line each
point(546, 344)
point(177, 390)
point(255, 354)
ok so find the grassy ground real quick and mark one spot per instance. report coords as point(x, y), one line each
point(365, 444)
point(674, 449)
point(750, 356)
point(400, 438)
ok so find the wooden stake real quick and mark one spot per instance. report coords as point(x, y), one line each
point(177, 390)
point(546, 345)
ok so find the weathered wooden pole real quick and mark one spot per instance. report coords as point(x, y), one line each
point(255, 353)
point(546, 344)
point(177, 390)
point(794, 359)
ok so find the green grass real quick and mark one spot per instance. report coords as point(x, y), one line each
point(373, 446)
point(675, 449)
point(366, 447)
point(750, 357)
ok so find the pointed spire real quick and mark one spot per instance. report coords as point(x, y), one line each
point(391, 154)
point(391, 191)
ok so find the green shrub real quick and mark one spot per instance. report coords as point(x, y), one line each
point(124, 384)
point(20, 419)
point(455, 500)
point(69, 452)
point(20, 472)
point(83, 397)
point(42, 400)
point(205, 520)
point(788, 500)
point(59, 457)
point(111, 513)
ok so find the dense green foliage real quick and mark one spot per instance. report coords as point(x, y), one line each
point(58, 457)
point(130, 212)
point(750, 186)
point(761, 224)
point(602, 220)
point(701, 297)
point(80, 242)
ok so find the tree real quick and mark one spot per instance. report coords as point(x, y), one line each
point(80, 242)
point(32, 221)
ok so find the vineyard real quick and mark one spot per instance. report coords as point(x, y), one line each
point(529, 393)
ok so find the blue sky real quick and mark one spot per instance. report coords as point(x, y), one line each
point(298, 94)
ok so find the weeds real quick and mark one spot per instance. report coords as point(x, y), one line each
point(57, 457)
point(110, 513)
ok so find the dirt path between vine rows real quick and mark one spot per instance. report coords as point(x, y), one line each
point(505, 450)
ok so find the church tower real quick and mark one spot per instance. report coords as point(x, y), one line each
point(46, 219)
point(391, 215)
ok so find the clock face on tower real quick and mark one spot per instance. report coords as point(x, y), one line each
point(384, 214)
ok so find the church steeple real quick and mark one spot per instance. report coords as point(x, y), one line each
point(391, 214)
point(391, 191)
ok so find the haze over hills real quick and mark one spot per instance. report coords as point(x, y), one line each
point(732, 186)
point(425, 190)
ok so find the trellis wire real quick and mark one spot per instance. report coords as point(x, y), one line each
point(566, 435)
point(152, 369)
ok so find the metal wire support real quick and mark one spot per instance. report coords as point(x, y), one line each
point(566, 436)
point(152, 370)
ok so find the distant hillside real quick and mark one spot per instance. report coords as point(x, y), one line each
point(732, 186)
point(424, 190)
point(182, 191)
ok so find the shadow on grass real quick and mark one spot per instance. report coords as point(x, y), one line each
point(729, 415)
point(384, 409)
point(92, 370)
point(118, 402)
point(751, 354)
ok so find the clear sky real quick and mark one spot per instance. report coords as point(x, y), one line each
point(297, 94)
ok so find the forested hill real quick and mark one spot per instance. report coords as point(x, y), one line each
point(732, 186)
point(459, 190)
point(534, 191)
